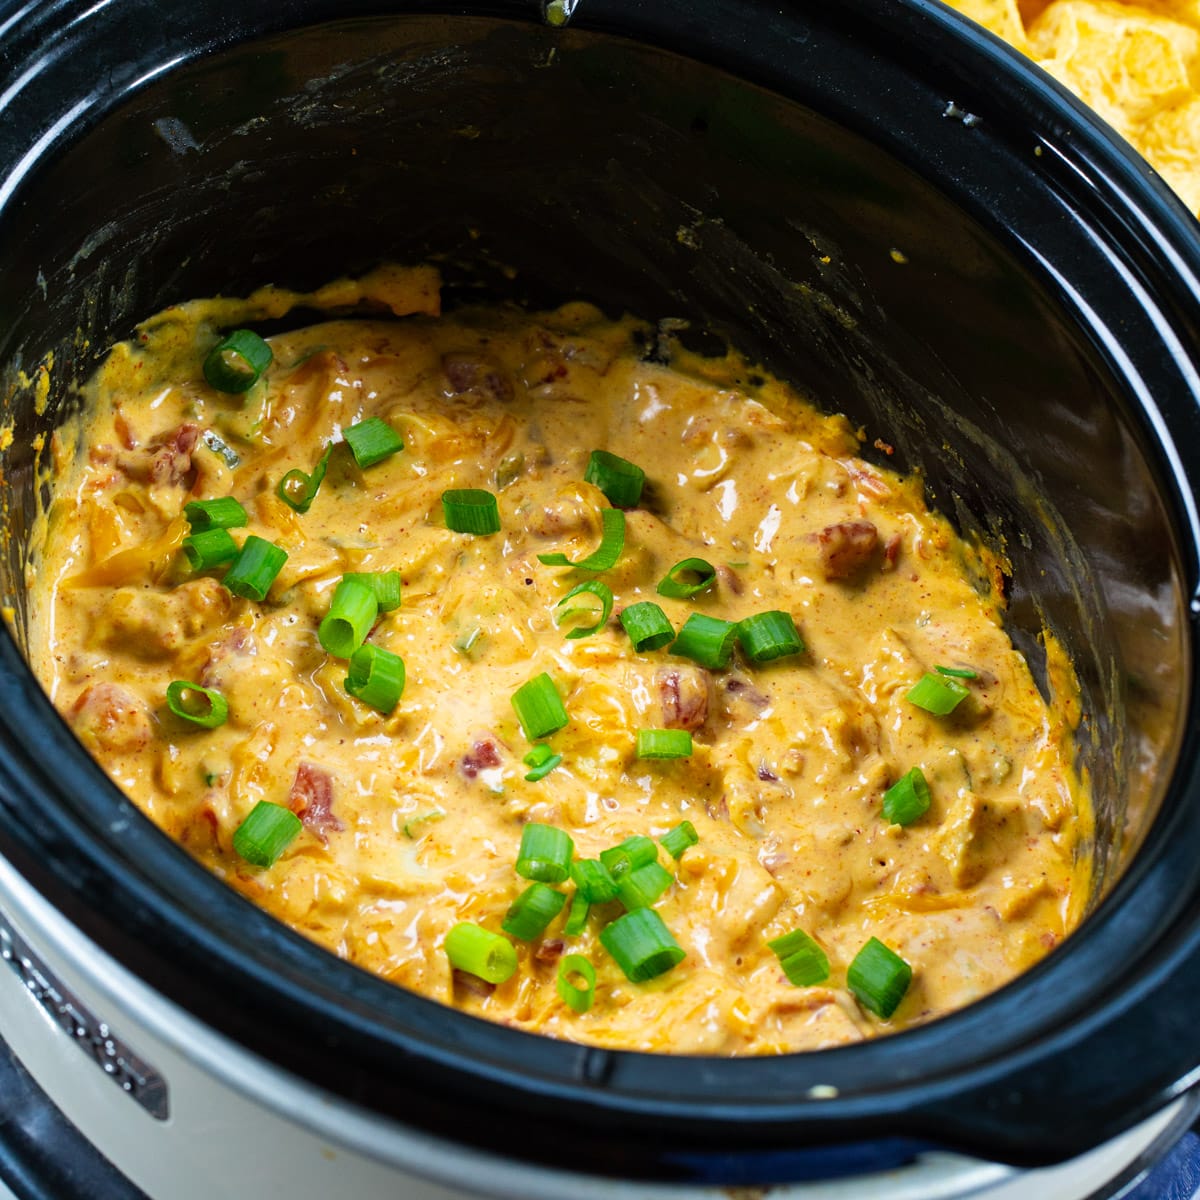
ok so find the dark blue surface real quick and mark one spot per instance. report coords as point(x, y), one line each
point(1177, 1177)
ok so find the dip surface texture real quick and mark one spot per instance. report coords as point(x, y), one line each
point(412, 821)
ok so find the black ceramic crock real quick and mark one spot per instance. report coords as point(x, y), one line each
point(882, 205)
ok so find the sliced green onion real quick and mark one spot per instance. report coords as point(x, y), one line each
point(481, 952)
point(539, 707)
point(663, 743)
point(352, 612)
point(687, 578)
point(620, 480)
point(255, 568)
point(879, 977)
point(236, 363)
point(532, 911)
point(266, 833)
point(212, 548)
point(595, 588)
point(577, 918)
point(958, 672)
point(907, 799)
point(802, 959)
point(541, 760)
point(937, 695)
point(647, 626)
point(470, 642)
point(199, 705)
point(545, 854)
point(578, 996)
point(222, 513)
point(632, 853)
point(471, 510)
point(612, 542)
point(592, 880)
point(676, 841)
point(768, 635)
point(641, 888)
point(385, 585)
point(371, 441)
point(376, 677)
point(541, 753)
point(642, 945)
point(298, 490)
point(540, 772)
point(706, 640)
point(426, 818)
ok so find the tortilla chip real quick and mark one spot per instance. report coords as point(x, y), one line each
point(1002, 17)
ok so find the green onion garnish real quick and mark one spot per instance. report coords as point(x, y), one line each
point(199, 705)
point(907, 799)
point(593, 881)
point(266, 833)
point(470, 642)
point(385, 585)
point(663, 743)
point(642, 945)
point(958, 672)
point(413, 824)
point(371, 441)
point(480, 952)
point(879, 977)
point(632, 853)
point(539, 707)
point(541, 760)
point(576, 921)
point(298, 490)
point(768, 635)
point(532, 911)
point(619, 479)
point(687, 578)
point(595, 588)
point(577, 982)
point(612, 542)
point(647, 626)
point(376, 677)
point(937, 694)
point(255, 568)
point(676, 841)
point(802, 960)
point(352, 612)
point(236, 363)
point(222, 513)
point(706, 640)
point(545, 854)
point(212, 548)
point(471, 510)
point(641, 888)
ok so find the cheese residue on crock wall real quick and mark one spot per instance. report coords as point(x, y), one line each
point(412, 821)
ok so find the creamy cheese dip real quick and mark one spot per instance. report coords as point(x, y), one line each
point(412, 821)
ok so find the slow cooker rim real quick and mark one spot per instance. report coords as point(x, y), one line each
point(81, 771)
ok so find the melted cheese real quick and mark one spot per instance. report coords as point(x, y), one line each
point(427, 805)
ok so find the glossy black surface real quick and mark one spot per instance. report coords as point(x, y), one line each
point(42, 1155)
point(1035, 354)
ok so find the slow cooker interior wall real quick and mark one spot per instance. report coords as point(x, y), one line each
point(643, 181)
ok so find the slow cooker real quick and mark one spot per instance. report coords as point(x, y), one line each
point(880, 203)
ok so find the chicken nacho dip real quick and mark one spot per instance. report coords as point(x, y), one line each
point(549, 671)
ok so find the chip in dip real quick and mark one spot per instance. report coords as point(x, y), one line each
point(555, 673)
